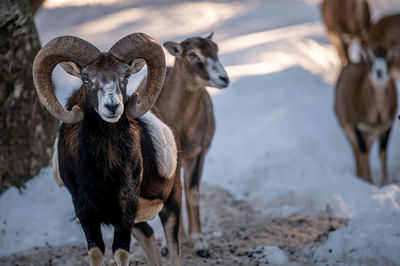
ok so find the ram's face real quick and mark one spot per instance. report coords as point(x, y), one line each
point(105, 81)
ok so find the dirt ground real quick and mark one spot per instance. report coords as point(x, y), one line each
point(237, 235)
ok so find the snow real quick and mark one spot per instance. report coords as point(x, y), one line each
point(277, 142)
point(371, 237)
point(38, 216)
point(270, 255)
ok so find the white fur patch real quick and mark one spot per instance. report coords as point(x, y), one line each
point(164, 145)
point(96, 257)
point(56, 171)
point(121, 257)
point(108, 96)
point(355, 52)
point(380, 75)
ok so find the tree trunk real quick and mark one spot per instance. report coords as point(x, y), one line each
point(27, 130)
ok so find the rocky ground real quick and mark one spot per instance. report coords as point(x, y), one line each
point(237, 235)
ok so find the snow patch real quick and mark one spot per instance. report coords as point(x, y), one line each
point(269, 255)
point(39, 215)
point(372, 237)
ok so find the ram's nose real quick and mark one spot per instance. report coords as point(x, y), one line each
point(111, 107)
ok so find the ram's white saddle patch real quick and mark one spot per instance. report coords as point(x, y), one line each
point(164, 145)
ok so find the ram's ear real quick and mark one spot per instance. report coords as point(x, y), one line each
point(174, 48)
point(137, 65)
point(71, 68)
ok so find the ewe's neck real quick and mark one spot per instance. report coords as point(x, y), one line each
point(186, 82)
point(378, 85)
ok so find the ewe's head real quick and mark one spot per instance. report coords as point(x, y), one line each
point(380, 59)
point(104, 75)
point(199, 57)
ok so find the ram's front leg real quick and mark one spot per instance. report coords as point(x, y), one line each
point(87, 218)
point(95, 242)
point(121, 244)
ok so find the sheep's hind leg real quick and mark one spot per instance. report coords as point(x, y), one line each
point(170, 219)
point(144, 234)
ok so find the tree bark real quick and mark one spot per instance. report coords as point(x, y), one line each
point(27, 130)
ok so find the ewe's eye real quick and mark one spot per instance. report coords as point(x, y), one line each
point(193, 56)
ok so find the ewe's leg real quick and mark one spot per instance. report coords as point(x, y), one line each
point(352, 138)
point(144, 234)
point(383, 142)
point(364, 145)
point(193, 169)
point(121, 243)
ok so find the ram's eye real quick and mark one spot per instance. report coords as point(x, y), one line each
point(193, 56)
point(85, 79)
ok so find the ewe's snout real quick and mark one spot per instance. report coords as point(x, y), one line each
point(218, 76)
point(110, 101)
point(380, 71)
point(223, 81)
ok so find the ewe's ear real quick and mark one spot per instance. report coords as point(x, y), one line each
point(392, 55)
point(370, 54)
point(210, 36)
point(71, 68)
point(365, 53)
point(137, 65)
point(174, 48)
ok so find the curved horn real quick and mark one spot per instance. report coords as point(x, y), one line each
point(60, 49)
point(139, 45)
